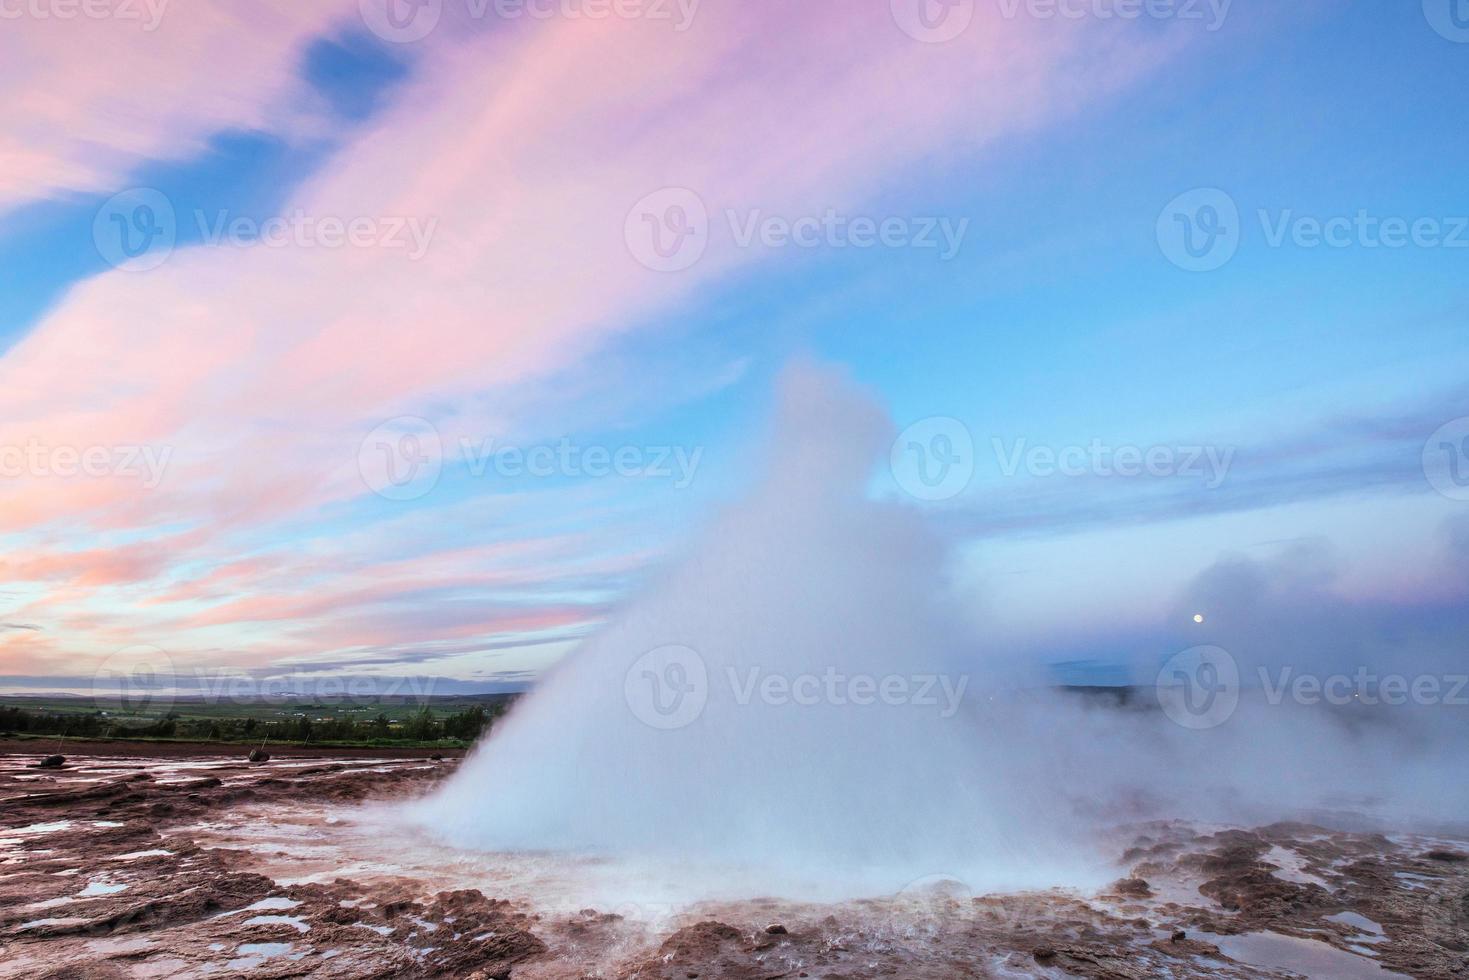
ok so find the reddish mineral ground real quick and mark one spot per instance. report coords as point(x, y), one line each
point(136, 861)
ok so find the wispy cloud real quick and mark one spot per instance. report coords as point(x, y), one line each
point(261, 369)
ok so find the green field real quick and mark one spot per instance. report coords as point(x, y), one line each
point(448, 721)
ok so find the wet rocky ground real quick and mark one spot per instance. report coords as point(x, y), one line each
point(138, 863)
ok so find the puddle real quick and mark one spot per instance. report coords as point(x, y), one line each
point(38, 923)
point(277, 904)
point(101, 888)
point(1293, 867)
point(1272, 951)
point(250, 955)
point(1372, 932)
point(294, 921)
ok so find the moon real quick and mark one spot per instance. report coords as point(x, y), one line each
point(1198, 617)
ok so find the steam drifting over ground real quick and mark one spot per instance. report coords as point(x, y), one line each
point(797, 699)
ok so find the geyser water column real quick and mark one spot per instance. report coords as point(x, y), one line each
point(793, 695)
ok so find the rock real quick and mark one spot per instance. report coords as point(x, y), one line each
point(52, 762)
point(777, 930)
point(1179, 935)
point(1133, 888)
point(1450, 857)
point(259, 755)
point(1043, 953)
point(436, 757)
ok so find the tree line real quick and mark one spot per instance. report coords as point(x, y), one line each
point(423, 726)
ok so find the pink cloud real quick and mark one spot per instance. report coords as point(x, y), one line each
point(88, 98)
point(261, 369)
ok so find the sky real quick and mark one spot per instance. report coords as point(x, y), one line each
point(411, 337)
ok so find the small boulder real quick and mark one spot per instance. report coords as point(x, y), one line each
point(259, 755)
point(1043, 954)
point(1179, 935)
point(777, 930)
point(1133, 888)
point(52, 762)
point(1448, 857)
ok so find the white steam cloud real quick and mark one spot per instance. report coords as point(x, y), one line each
point(798, 696)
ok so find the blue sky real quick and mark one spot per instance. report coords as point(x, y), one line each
point(1061, 322)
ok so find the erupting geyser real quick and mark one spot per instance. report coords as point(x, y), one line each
point(793, 696)
point(796, 700)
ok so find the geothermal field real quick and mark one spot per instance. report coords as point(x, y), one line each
point(136, 865)
point(734, 489)
point(897, 805)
